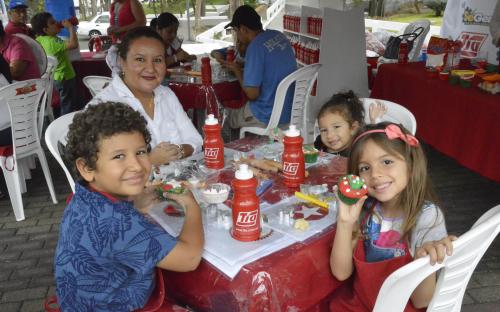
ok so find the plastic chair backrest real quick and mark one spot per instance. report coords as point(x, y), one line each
point(303, 78)
point(395, 113)
point(96, 83)
point(417, 44)
point(38, 51)
point(56, 132)
point(456, 271)
point(49, 75)
point(24, 98)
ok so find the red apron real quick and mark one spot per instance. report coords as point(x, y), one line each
point(360, 292)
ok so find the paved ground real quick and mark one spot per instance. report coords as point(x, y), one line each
point(27, 247)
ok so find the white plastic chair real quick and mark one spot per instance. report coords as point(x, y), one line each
point(96, 83)
point(418, 43)
point(49, 74)
point(456, 271)
point(56, 132)
point(23, 99)
point(304, 78)
point(38, 51)
point(414, 54)
point(395, 113)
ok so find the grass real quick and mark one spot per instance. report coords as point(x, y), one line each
point(411, 17)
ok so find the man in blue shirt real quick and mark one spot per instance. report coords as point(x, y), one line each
point(269, 58)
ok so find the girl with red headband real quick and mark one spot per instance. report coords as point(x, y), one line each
point(396, 224)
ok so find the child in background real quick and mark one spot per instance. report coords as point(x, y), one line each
point(108, 250)
point(167, 26)
point(398, 222)
point(339, 120)
point(46, 30)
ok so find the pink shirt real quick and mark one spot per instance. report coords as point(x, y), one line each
point(11, 29)
point(16, 48)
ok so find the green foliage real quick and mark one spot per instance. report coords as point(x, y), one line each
point(437, 6)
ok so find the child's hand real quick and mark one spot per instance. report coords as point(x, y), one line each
point(233, 66)
point(186, 199)
point(348, 214)
point(377, 110)
point(436, 250)
point(144, 201)
point(67, 24)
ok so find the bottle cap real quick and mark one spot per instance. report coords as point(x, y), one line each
point(292, 131)
point(211, 120)
point(243, 173)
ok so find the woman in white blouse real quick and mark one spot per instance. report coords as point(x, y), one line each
point(142, 59)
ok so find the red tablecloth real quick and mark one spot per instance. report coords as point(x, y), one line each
point(297, 278)
point(189, 94)
point(460, 122)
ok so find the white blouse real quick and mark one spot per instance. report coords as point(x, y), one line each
point(170, 123)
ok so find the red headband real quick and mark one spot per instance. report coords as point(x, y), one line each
point(393, 132)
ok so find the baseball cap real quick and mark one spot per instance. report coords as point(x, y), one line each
point(17, 4)
point(245, 15)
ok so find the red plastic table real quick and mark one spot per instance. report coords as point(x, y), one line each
point(297, 278)
point(460, 122)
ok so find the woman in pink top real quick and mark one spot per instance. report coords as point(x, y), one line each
point(18, 54)
point(124, 16)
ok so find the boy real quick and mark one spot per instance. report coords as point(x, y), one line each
point(107, 251)
point(46, 30)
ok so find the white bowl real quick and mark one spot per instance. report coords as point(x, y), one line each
point(216, 193)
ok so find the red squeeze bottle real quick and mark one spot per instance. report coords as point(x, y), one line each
point(73, 20)
point(294, 167)
point(206, 71)
point(230, 55)
point(403, 52)
point(245, 209)
point(213, 144)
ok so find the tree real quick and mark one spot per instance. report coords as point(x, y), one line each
point(416, 5)
point(376, 8)
point(437, 6)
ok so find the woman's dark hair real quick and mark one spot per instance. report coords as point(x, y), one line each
point(165, 20)
point(136, 33)
point(39, 22)
point(98, 122)
point(347, 104)
point(154, 23)
point(2, 31)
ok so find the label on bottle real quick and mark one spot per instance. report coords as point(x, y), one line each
point(247, 218)
point(290, 168)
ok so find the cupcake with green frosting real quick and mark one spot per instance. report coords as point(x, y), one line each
point(351, 189)
point(310, 154)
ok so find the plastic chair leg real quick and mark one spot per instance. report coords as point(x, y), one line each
point(31, 163)
point(24, 173)
point(46, 173)
point(12, 179)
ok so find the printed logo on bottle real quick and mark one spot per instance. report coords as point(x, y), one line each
point(247, 218)
point(211, 153)
point(290, 168)
point(472, 43)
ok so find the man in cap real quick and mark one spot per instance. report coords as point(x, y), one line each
point(18, 17)
point(269, 58)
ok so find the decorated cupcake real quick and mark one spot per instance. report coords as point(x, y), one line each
point(310, 154)
point(351, 189)
point(170, 186)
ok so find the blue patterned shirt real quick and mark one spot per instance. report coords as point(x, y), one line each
point(106, 254)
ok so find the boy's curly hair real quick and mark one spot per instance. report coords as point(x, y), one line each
point(39, 22)
point(96, 123)
point(346, 104)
